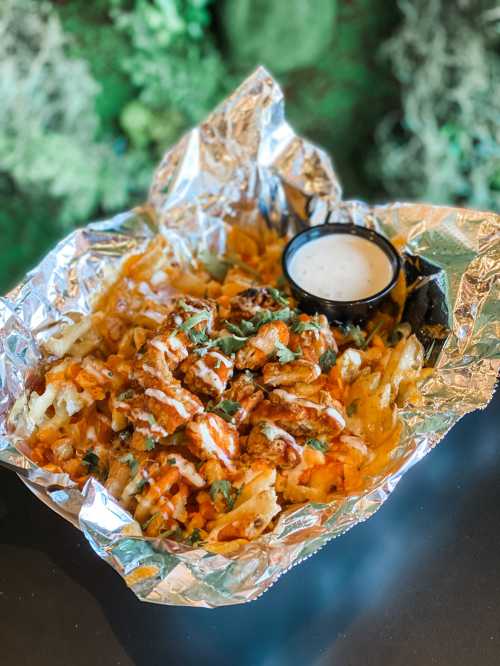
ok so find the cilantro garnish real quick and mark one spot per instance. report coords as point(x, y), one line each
point(149, 443)
point(317, 444)
point(91, 460)
point(286, 355)
point(171, 461)
point(185, 306)
point(130, 460)
point(354, 333)
point(223, 488)
point(198, 337)
point(281, 282)
point(372, 334)
point(217, 267)
point(151, 419)
point(230, 344)
point(226, 409)
point(269, 430)
point(140, 484)
point(299, 326)
point(243, 329)
point(398, 333)
point(126, 395)
point(352, 408)
point(193, 320)
point(277, 296)
point(150, 520)
point(327, 360)
point(194, 538)
point(175, 533)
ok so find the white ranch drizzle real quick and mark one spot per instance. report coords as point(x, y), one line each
point(162, 397)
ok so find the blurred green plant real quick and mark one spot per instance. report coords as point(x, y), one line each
point(336, 91)
point(443, 146)
point(175, 66)
point(48, 121)
point(283, 35)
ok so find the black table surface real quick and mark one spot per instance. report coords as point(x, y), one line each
point(417, 584)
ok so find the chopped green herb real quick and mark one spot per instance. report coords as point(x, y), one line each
point(198, 337)
point(91, 460)
point(151, 419)
point(285, 314)
point(171, 461)
point(352, 408)
point(327, 360)
point(317, 444)
point(277, 296)
point(215, 267)
point(236, 261)
point(223, 488)
point(286, 355)
point(150, 520)
point(194, 538)
point(269, 430)
point(129, 459)
point(302, 326)
point(372, 334)
point(126, 395)
point(140, 484)
point(124, 435)
point(243, 329)
point(281, 282)
point(398, 333)
point(230, 344)
point(149, 443)
point(226, 409)
point(218, 363)
point(175, 533)
point(185, 306)
point(177, 438)
point(195, 319)
point(354, 333)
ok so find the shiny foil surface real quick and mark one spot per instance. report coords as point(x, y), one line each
point(244, 165)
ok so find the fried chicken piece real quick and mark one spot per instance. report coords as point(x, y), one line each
point(312, 341)
point(209, 436)
point(160, 411)
point(189, 308)
point(262, 345)
point(167, 350)
point(300, 416)
point(287, 374)
point(248, 303)
point(268, 442)
point(244, 391)
point(207, 374)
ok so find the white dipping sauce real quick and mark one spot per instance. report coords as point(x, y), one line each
point(341, 267)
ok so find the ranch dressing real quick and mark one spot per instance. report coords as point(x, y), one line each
point(341, 267)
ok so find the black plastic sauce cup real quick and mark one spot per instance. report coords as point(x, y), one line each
point(355, 312)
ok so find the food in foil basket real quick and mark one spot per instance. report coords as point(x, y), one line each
point(207, 403)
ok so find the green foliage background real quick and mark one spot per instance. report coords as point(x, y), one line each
point(405, 97)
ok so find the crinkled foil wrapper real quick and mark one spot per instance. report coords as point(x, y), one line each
point(243, 165)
